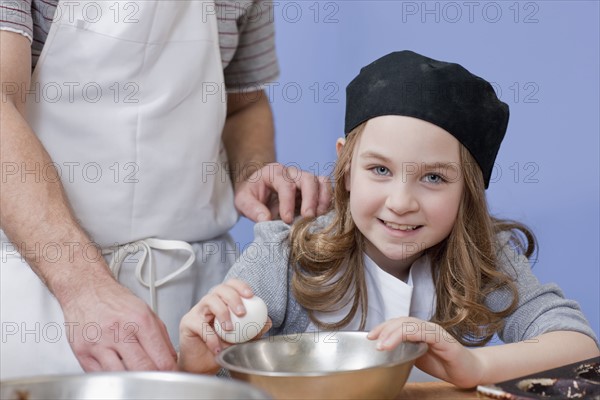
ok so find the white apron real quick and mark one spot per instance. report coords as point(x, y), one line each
point(127, 97)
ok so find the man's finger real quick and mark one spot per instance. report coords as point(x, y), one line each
point(165, 333)
point(252, 208)
point(135, 356)
point(285, 184)
point(309, 191)
point(156, 346)
point(89, 363)
point(109, 360)
point(325, 195)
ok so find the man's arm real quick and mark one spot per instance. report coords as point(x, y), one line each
point(249, 134)
point(35, 210)
point(264, 188)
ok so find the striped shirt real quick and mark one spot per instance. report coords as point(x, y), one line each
point(246, 36)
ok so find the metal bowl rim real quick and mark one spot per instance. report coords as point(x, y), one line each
point(139, 376)
point(421, 349)
point(142, 375)
point(195, 381)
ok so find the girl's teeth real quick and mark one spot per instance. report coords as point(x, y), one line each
point(400, 227)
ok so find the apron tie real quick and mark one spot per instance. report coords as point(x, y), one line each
point(145, 246)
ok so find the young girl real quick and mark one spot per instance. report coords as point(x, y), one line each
point(409, 251)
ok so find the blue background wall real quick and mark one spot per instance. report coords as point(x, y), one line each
point(543, 58)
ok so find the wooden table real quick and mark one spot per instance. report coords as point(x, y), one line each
point(437, 391)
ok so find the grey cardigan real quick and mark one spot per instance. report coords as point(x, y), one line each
point(265, 266)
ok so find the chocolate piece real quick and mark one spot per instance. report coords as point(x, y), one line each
point(589, 372)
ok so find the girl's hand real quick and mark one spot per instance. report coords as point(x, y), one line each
point(446, 358)
point(199, 344)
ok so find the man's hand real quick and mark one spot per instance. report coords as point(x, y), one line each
point(276, 190)
point(110, 329)
point(263, 188)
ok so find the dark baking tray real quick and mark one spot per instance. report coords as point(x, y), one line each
point(580, 380)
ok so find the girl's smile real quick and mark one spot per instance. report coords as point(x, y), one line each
point(402, 230)
point(405, 189)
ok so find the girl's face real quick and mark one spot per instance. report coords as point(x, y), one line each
point(405, 187)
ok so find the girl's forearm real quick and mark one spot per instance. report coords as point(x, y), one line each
point(546, 351)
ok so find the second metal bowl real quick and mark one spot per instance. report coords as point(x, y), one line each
point(127, 385)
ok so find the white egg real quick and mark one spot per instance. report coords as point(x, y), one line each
point(247, 327)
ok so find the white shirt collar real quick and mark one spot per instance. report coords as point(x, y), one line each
point(390, 297)
point(415, 298)
point(423, 299)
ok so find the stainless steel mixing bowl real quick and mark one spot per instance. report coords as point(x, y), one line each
point(128, 385)
point(323, 365)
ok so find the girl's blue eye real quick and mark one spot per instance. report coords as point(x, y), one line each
point(379, 170)
point(434, 178)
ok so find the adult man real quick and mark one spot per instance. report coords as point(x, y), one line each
point(114, 166)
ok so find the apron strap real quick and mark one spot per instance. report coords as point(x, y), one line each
point(145, 246)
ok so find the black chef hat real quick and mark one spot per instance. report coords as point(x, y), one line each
point(445, 94)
